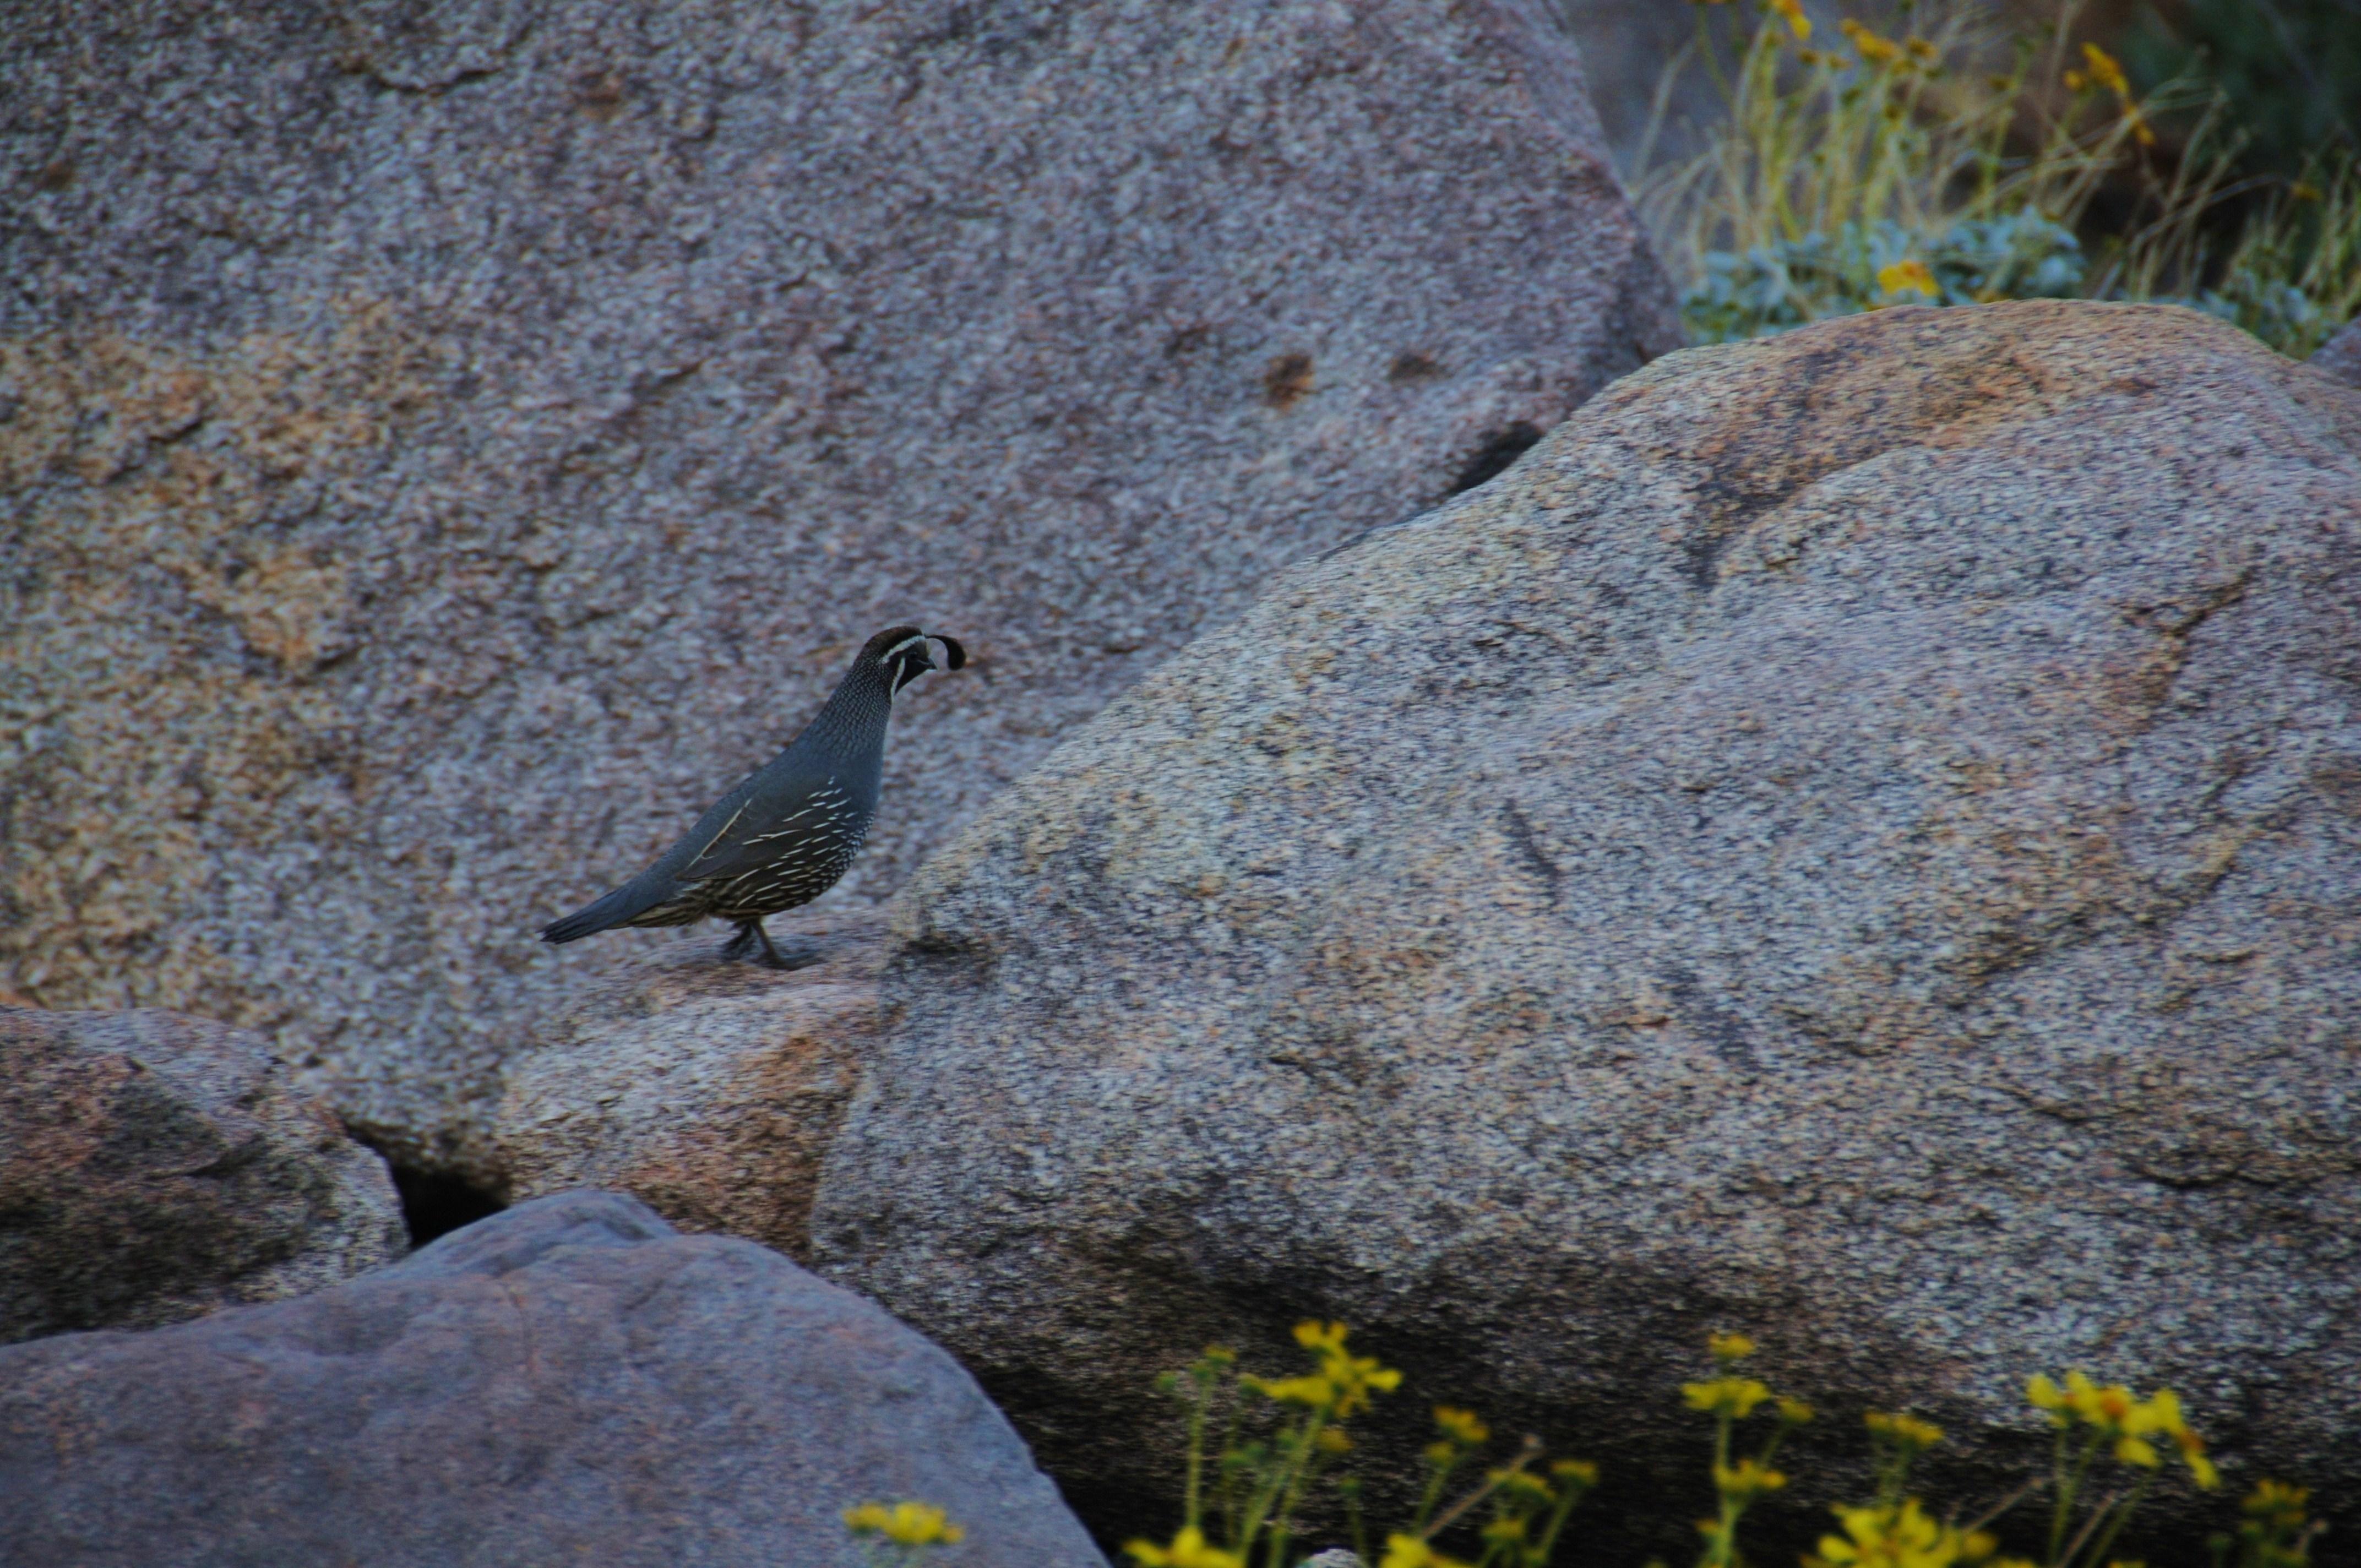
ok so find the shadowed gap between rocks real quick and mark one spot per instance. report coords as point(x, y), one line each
point(1496, 456)
point(434, 1203)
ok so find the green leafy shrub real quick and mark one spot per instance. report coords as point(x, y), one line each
point(1882, 170)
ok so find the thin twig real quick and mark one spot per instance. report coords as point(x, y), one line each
point(2088, 1525)
point(2005, 1503)
point(1450, 1516)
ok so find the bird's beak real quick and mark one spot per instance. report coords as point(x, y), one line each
point(954, 656)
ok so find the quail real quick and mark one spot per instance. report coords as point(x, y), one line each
point(787, 833)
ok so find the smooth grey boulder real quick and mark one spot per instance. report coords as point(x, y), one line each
point(451, 443)
point(1856, 838)
point(154, 1168)
point(568, 1381)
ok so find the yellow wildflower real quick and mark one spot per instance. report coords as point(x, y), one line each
point(1908, 1431)
point(1794, 1412)
point(1920, 51)
point(2125, 1421)
point(1518, 1484)
point(1874, 50)
point(1462, 1426)
point(1913, 274)
point(2304, 191)
point(1896, 1537)
point(1325, 1338)
point(2103, 71)
point(1746, 1478)
point(1793, 11)
point(1358, 1376)
point(1312, 1389)
point(907, 1524)
point(1580, 1471)
point(1345, 1381)
point(1333, 1439)
point(1737, 1396)
point(1727, 1348)
point(2277, 1500)
point(1188, 1550)
point(2100, 72)
point(2164, 1415)
point(1410, 1551)
point(1440, 1454)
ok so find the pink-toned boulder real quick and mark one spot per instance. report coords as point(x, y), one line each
point(1856, 838)
point(450, 443)
point(709, 1091)
point(155, 1167)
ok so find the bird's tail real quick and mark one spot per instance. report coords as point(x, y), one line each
point(618, 908)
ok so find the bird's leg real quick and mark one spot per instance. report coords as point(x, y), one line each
point(771, 959)
point(742, 944)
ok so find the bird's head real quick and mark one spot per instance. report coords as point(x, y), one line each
point(902, 654)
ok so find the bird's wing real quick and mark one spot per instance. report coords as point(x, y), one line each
point(767, 829)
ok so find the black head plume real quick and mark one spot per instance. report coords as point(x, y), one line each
point(901, 654)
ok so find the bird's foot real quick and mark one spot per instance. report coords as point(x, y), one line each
point(753, 944)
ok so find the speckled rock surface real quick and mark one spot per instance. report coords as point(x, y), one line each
point(566, 1382)
point(2341, 356)
point(1857, 839)
point(709, 1091)
point(154, 1168)
point(450, 443)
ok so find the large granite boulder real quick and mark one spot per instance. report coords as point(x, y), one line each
point(154, 1168)
point(709, 1091)
point(1857, 837)
point(2341, 356)
point(566, 1382)
point(450, 442)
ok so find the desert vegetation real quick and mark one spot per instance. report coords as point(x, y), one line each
point(1952, 163)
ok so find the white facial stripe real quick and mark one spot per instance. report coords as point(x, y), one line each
point(900, 648)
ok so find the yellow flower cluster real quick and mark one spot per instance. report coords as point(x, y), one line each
point(1884, 53)
point(1410, 1551)
point(1871, 48)
point(1746, 1479)
point(1911, 274)
point(2276, 1501)
point(1728, 1348)
point(906, 1524)
point(2100, 70)
point(1737, 1396)
point(1462, 1426)
point(1583, 1472)
point(2128, 1422)
point(2102, 73)
point(1792, 11)
point(1188, 1550)
point(1343, 1384)
point(1907, 1431)
point(1900, 1538)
